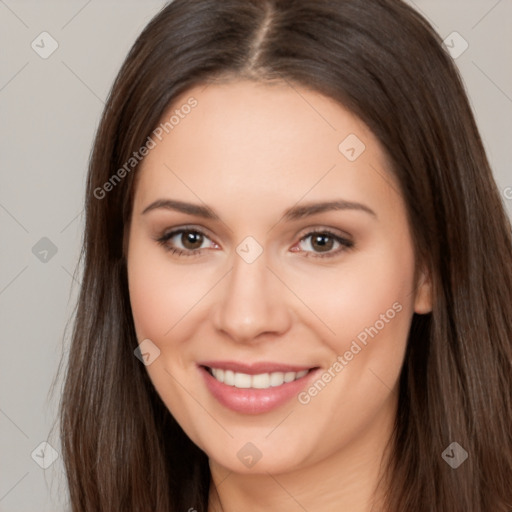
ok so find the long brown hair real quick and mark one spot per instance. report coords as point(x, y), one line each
point(122, 448)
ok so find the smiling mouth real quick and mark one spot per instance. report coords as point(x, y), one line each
point(255, 388)
point(256, 381)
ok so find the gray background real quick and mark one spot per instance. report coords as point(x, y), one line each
point(49, 110)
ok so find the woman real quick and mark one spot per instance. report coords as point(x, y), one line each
point(297, 289)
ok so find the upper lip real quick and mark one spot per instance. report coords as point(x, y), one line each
point(254, 368)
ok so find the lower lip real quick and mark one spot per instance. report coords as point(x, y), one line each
point(254, 401)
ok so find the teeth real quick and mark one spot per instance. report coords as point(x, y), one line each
point(242, 380)
point(260, 381)
point(229, 377)
point(276, 379)
point(289, 376)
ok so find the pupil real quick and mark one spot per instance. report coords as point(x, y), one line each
point(323, 242)
point(191, 239)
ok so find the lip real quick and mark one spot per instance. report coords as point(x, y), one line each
point(255, 401)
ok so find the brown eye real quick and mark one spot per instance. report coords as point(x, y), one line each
point(185, 242)
point(192, 239)
point(322, 242)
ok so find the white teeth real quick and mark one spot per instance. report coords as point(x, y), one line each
point(276, 379)
point(259, 381)
point(242, 380)
point(218, 374)
point(289, 376)
point(229, 378)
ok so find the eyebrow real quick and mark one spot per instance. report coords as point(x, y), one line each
point(299, 212)
point(181, 206)
point(291, 214)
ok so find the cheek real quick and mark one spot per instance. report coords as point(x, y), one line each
point(371, 291)
point(161, 293)
point(161, 296)
point(370, 312)
point(373, 324)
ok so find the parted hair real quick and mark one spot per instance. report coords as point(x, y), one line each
point(122, 449)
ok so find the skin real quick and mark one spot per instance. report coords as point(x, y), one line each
point(250, 151)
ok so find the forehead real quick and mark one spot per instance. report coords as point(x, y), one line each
point(278, 140)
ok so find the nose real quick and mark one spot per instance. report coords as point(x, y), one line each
point(252, 302)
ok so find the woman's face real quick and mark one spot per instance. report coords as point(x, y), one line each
point(293, 280)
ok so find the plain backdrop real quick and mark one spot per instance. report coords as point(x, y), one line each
point(49, 111)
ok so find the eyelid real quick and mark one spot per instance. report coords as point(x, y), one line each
point(324, 229)
point(344, 240)
point(167, 234)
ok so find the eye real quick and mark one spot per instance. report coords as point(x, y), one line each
point(184, 241)
point(321, 244)
point(191, 242)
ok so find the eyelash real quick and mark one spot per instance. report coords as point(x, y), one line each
point(164, 239)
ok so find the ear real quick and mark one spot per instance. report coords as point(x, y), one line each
point(423, 299)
